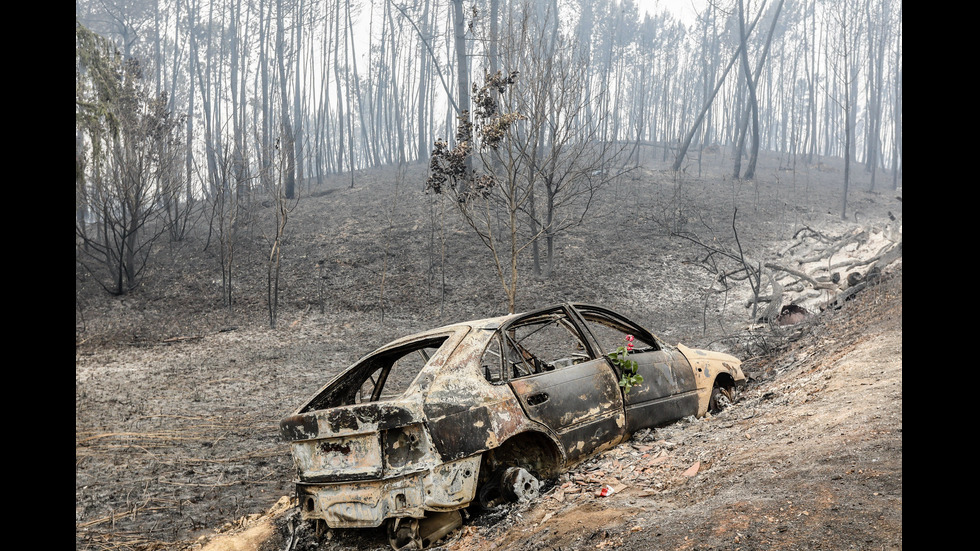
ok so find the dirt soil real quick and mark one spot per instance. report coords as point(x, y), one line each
point(178, 397)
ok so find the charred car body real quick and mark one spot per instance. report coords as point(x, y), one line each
point(479, 412)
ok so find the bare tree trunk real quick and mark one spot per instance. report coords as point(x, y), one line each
point(275, 260)
point(423, 139)
point(237, 102)
point(297, 98)
point(493, 52)
point(462, 64)
point(399, 156)
point(462, 76)
point(356, 93)
point(849, 70)
point(350, 105)
point(287, 129)
point(897, 122)
point(188, 153)
point(754, 157)
point(753, 102)
point(682, 151)
point(877, 35)
point(812, 83)
point(265, 142)
point(323, 131)
point(340, 91)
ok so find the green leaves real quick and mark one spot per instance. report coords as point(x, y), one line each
point(629, 381)
point(627, 367)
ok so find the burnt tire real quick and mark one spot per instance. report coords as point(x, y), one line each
point(424, 533)
point(488, 495)
point(721, 398)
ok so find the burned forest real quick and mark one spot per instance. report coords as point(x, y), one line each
point(562, 275)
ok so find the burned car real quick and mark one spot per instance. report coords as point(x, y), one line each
point(478, 413)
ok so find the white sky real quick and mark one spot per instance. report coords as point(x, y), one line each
point(682, 9)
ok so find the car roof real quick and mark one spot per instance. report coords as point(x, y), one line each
point(487, 324)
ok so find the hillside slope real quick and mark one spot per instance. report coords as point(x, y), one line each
point(178, 397)
point(810, 457)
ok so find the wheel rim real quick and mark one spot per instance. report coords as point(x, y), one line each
point(517, 484)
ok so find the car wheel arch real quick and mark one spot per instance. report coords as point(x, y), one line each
point(534, 450)
point(723, 385)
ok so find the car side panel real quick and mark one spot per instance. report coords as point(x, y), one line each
point(465, 414)
point(683, 372)
point(581, 403)
point(475, 430)
point(667, 393)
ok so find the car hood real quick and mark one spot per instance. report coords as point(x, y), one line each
point(699, 353)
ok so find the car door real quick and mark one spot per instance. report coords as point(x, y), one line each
point(668, 391)
point(561, 382)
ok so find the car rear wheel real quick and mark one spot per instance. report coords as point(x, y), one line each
point(508, 485)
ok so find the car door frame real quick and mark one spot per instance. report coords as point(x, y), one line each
point(669, 389)
point(579, 404)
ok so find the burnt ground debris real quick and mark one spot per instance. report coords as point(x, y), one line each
point(178, 400)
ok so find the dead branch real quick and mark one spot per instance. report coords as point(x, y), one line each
point(740, 268)
point(873, 277)
point(840, 299)
point(123, 514)
point(888, 257)
point(887, 251)
point(738, 274)
point(814, 233)
point(775, 300)
point(796, 273)
point(856, 236)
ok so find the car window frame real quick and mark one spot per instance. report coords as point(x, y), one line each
point(569, 319)
point(340, 385)
point(581, 312)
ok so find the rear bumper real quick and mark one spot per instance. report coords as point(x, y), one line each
point(366, 504)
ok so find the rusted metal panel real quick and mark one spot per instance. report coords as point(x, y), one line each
point(465, 414)
point(666, 394)
point(349, 457)
point(684, 372)
point(600, 434)
point(450, 485)
point(405, 446)
point(659, 380)
point(661, 412)
point(349, 420)
point(462, 433)
point(581, 403)
point(299, 427)
point(566, 397)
